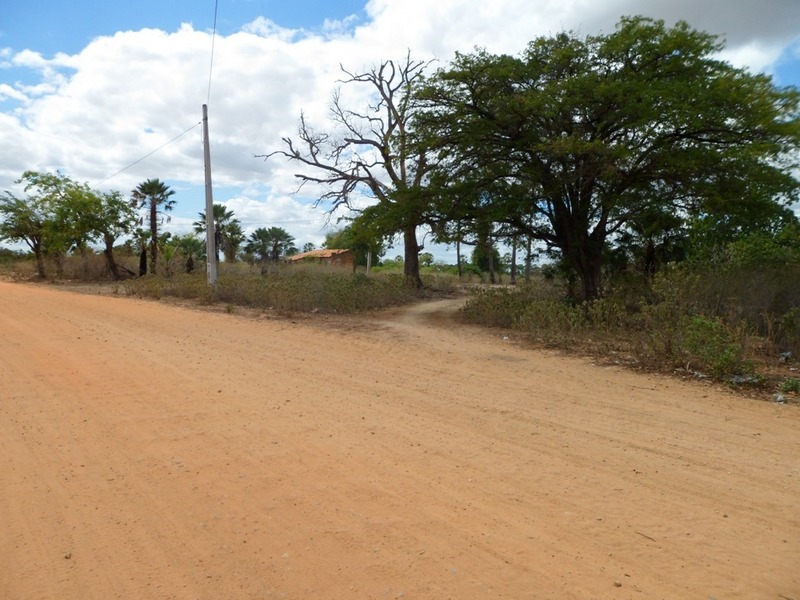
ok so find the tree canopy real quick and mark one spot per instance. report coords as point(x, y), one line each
point(270, 244)
point(365, 247)
point(228, 234)
point(578, 139)
point(60, 214)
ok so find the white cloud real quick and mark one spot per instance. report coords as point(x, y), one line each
point(8, 92)
point(97, 111)
point(758, 56)
point(266, 28)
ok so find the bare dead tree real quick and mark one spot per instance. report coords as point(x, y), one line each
point(373, 153)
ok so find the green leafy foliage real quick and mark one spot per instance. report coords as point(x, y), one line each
point(60, 215)
point(582, 143)
point(712, 346)
point(228, 233)
point(270, 244)
point(363, 241)
point(792, 384)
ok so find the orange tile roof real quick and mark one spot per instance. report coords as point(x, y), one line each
point(323, 253)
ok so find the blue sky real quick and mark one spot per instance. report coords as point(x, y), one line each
point(89, 87)
point(51, 26)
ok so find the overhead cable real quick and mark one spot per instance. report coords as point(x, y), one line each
point(213, 39)
point(136, 162)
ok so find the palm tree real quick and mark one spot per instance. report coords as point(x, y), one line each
point(223, 222)
point(190, 247)
point(151, 195)
point(232, 241)
point(270, 244)
point(140, 239)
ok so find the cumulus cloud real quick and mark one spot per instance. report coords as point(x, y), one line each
point(92, 113)
point(8, 92)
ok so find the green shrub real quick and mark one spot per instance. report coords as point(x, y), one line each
point(712, 344)
point(791, 385)
point(788, 336)
point(553, 319)
point(607, 315)
point(496, 307)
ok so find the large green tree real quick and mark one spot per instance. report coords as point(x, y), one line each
point(578, 137)
point(67, 208)
point(60, 215)
point(114, 218)
point(154, 197)
point(372, 152)
point(365, 244)
point(25, 220)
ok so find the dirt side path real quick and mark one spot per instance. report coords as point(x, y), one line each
point(150, 451)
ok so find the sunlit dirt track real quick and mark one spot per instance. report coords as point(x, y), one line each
point(157, 451)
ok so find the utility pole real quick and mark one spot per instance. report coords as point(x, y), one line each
point(211, 251)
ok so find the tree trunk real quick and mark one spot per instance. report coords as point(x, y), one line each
point(583, 251)
point(153, 236)
point(650, 259)
point(59, 257)
point(528, 259)
point(591, 284)
point(589, 268)
point(40, 262)
point(514, 261)
point(112, 264)
point(492, 270)
point(411, 259)
point(84, 260)
point(143, 262)
point(490, 260)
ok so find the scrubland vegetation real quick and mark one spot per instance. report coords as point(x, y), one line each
point(727, 327)
point(731, 320)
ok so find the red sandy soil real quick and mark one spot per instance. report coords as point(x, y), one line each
point(158, 451)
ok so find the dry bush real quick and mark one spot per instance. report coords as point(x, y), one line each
point(714, 322)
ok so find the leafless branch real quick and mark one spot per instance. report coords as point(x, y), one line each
point(372, 154)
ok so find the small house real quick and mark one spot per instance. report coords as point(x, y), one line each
point(327, 256)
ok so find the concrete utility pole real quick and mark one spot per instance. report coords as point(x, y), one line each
point(211, 262)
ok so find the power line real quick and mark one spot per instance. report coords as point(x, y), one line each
point(136, 162)
point(213, 39)
point(261, 221)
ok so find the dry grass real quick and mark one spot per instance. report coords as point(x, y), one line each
point(738, 327)
point(288, 289)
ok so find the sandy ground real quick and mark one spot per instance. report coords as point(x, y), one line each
point(153, 451)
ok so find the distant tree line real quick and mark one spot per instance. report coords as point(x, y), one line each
point(59, 216)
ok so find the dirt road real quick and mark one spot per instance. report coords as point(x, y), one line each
point(152, 451)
